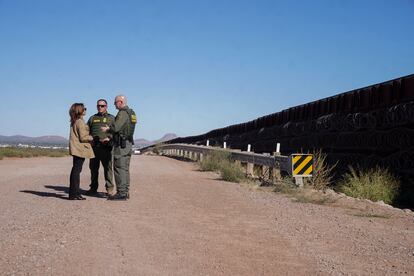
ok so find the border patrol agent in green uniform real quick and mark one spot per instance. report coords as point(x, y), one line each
point(102, 148)
point(123, 131)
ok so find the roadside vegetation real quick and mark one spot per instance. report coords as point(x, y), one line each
point(322, 172)
point(305, 194)
point(314, 187)
point(373, 184)
point(31, 152)
point(220, 161)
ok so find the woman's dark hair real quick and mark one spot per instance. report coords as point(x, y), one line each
point(75, 112)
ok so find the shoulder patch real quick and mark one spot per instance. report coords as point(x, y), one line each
point(133, 118)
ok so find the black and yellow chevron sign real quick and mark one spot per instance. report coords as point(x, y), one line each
point(302, 164)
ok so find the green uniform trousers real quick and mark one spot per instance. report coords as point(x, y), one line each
point(122, 159)
point(102, 155)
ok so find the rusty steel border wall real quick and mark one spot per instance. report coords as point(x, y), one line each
point(366, 127)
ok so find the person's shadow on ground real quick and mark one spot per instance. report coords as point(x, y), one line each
point(64, 191)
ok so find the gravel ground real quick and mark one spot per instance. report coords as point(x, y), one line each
point(180, 221)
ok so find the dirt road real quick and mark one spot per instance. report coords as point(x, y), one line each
point(180, 221)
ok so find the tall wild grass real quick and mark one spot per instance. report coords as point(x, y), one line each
point(31, 152)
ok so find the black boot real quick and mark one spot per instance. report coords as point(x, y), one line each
point(118, 197)
point(91, 192)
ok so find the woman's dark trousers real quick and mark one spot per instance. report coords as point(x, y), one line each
point(75, 176)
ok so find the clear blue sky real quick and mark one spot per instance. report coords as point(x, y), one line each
point(191, 66)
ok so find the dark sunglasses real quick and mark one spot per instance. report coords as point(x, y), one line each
point(100, 105)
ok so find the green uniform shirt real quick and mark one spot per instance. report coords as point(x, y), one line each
point(97, 121)
point(124, 124)
point(120, 122)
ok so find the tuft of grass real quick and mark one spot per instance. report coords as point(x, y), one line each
point(322, 172)
point(286, 186)
point(31, 152)
point(373, 184)
point(232, 172)
point(221, 162)
point(213, 161)
point(301, 197)
point(370, 215)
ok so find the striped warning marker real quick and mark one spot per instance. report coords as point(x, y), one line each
point(302, 164)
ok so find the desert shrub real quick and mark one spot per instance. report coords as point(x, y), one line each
point(373, 184)
point(213, 161)
point(322, 172)
point(220, 161)
point(208, 164)
point(232, 172)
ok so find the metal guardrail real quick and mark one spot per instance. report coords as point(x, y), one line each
point(280, 162)
point(297, 165)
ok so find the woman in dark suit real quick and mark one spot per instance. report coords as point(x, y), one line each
point(79, 147)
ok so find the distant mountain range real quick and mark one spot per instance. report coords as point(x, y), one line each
point(42, 140)
point(142, 143)
point(59, 140)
